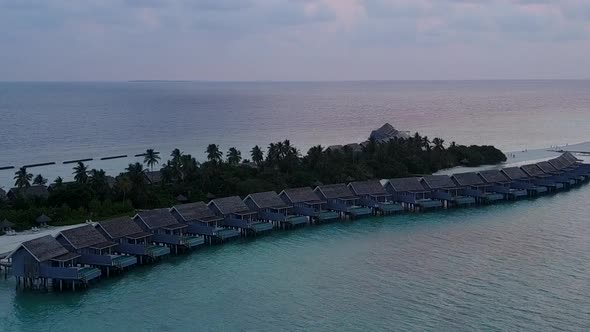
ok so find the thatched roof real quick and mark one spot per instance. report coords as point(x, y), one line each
point(44, 248)
point(267, 199)
point(300, 195)
point(467, 179)
point(229, 205)
point(85, 237)
point(6, 224)
point(43, 219)
point(157, 218)
point(120, 227)
point(339, 190)
point(371, 187)
point(197, 211)
point(181, 198)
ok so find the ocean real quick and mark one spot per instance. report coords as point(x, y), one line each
point(519, 266)
point(56, 122)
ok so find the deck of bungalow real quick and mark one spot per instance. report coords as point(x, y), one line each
point(341, 199)
point(500, 183)
point(306, 203)
point(474, 186)
point(520, 180)
point(412, 194)
point(236, 214)
point(201, 220)
point(444, 189)
point(37, 262)
point(372, 194)
point(131, 239)
point(537, 176)
point(167, 230)
point(272, 208)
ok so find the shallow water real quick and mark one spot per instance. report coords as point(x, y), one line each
point(509, 267)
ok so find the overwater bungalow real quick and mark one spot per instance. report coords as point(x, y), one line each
point(237, 214)
point(411, 193)
point(443, 188)
point(539, 177)
point(372, 194)
point(474, 186)
point(167, 230)
point(271, 207)
point(557, 175)
point(520, 180)
point(306, 203)
point(341, 199)
point(44, 259)
point(131, 239)
point(500, 183)
point(94, 249)
point(201, 220)
point(573, 166)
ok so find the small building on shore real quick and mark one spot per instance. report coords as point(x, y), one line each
point(31, 192)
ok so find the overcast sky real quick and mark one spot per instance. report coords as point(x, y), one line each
point(293, 39)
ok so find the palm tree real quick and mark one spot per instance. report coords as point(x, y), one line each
point(213, 153)
point(124, 184)
point(81, 173)
point(58, 181)
point(40, 180)
point(314, 155)
point(23, 179)
point(136, 175)
point(176, 154)
point(438, 143)
point(257, 155)
point(151, 158)
point(234, 156)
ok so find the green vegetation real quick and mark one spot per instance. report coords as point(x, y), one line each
point(92, 196)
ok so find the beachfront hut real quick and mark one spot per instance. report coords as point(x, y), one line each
point(500, 183)
point(236, 214)
point(39, 260)
point(411, 193)
point(31, 192)
point(201, 220)
point(306, 203)
point(271, 207)
point(520, 180)
point(181, 198)
point(443, 188)
point(372, 194)
point(474, 186)
point(167, 230)
point(341, 199)
point(6, 226)
point(43, 220)
point(537, 176)
point(153, 177)
point(131, 239)
point(94, 249)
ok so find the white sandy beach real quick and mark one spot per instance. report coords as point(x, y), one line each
point(517, 158)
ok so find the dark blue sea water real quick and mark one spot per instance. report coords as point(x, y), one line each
point(510, 267)
point(41, 122)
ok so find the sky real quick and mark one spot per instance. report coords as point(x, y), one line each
point(284, 40)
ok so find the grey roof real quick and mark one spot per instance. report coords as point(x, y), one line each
point(300, 195)
point(532, 170)
point(43, 219)
point(83, 237)
point(32, 191)
point(371, 187)
point(157, 218)
point(194, 211)
point(6, 224)
point(355, 147)
point(467, 179)
point(334, 147)
point(385, 132)
point(339, 190)
point(154, 177)
point(267, 199)
point(546, 167)
point(570, 157)
point(514, 173)
point(181, 198)
point(439, 182)
point(407, 184)
point(45, 248)
point(120, 227)
point(558, 163)
point(229, 205)
point(494, 176)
